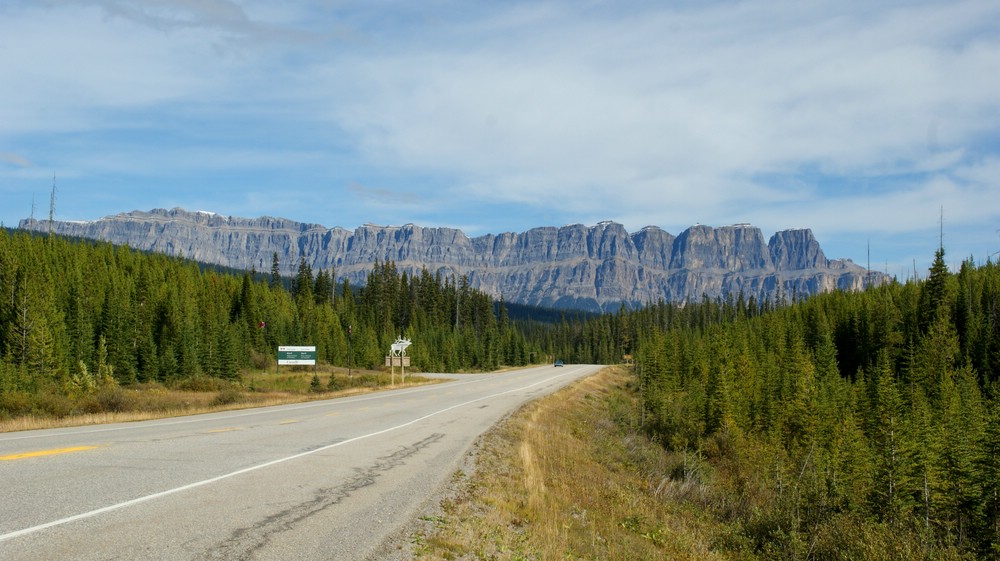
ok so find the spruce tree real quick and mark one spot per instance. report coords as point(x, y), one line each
point(889, 440)
point(934, 292)
point(275, 279)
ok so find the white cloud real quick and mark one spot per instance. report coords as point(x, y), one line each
point(99, 65)
point(658, 98)
point(837, 115)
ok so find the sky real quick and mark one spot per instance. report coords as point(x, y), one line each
point(875, 124)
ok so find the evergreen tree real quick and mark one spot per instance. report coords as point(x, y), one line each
point(988, 475)
point(890, 498)
point(323, 289)
point(302, 287)
point(934, 292)
point(275, 279)
point(961, 432)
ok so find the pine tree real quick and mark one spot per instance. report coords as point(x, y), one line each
point(800, 404)
point(323, 289)
point(961, 431)
point(988, 474)
point(275, 280)
point(302, 287)
point(889, 494)
point(934, 292)
point(922, 457)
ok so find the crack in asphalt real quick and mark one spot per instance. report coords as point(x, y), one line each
point(243, 543)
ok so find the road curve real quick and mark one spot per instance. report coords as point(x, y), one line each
point(329, 479)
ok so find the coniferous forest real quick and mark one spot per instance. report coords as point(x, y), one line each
point(845, 426)
point(841, 426)
point(78, 314)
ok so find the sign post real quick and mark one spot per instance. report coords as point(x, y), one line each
point(397, 353)
point(393, 361)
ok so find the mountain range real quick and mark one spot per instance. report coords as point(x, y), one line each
point(594, 268)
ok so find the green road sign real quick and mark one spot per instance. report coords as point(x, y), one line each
point(296, 355)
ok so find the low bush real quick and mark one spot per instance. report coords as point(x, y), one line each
point(16, 404)
point(227, 396)
point(52, 405)
point(203, 384)
point(116, 400)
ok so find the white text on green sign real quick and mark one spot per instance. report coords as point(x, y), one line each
point(296, 355)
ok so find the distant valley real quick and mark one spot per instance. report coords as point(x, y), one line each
point(594, 268)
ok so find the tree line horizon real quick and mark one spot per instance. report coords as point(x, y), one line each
point(861, 425)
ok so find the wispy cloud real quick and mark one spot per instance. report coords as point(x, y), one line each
point(642, 105)
point(15, 159)
point(841, 116)
point(382, 196)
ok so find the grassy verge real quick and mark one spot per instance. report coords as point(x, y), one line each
point(566, 478)
point(114, 404)
point(569, 477)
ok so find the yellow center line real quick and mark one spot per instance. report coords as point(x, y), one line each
point(290, 422)
point(228, 429)
point(39, 453)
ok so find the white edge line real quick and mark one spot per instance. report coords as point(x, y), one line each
point(154, 496)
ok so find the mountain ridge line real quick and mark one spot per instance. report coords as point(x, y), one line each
point(594, 268)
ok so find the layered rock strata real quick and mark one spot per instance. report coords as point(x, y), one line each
point(598, 267)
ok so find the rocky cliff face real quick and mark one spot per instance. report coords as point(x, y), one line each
point(592, 268)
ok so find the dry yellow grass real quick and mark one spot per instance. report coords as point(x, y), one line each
point(198, 402)
point(565, 479)
point(159, 402)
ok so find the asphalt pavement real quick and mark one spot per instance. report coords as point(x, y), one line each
point(331, 479)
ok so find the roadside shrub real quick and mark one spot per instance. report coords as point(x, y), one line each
point(202, 384)
point(258, 360)
point(367, 381)
point(116, 400)
point(227, 396)
point(15, 404)
point(52, 405)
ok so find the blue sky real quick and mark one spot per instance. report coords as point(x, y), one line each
point(865, 121)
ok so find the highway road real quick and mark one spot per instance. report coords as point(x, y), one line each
point(328, 479)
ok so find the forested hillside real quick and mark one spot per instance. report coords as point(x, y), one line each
point(78, 314)
point(857, 425)
point(846, 426)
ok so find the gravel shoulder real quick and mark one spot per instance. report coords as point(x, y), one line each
point(401, 545)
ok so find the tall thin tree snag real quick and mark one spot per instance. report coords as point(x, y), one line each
point(52, 205)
